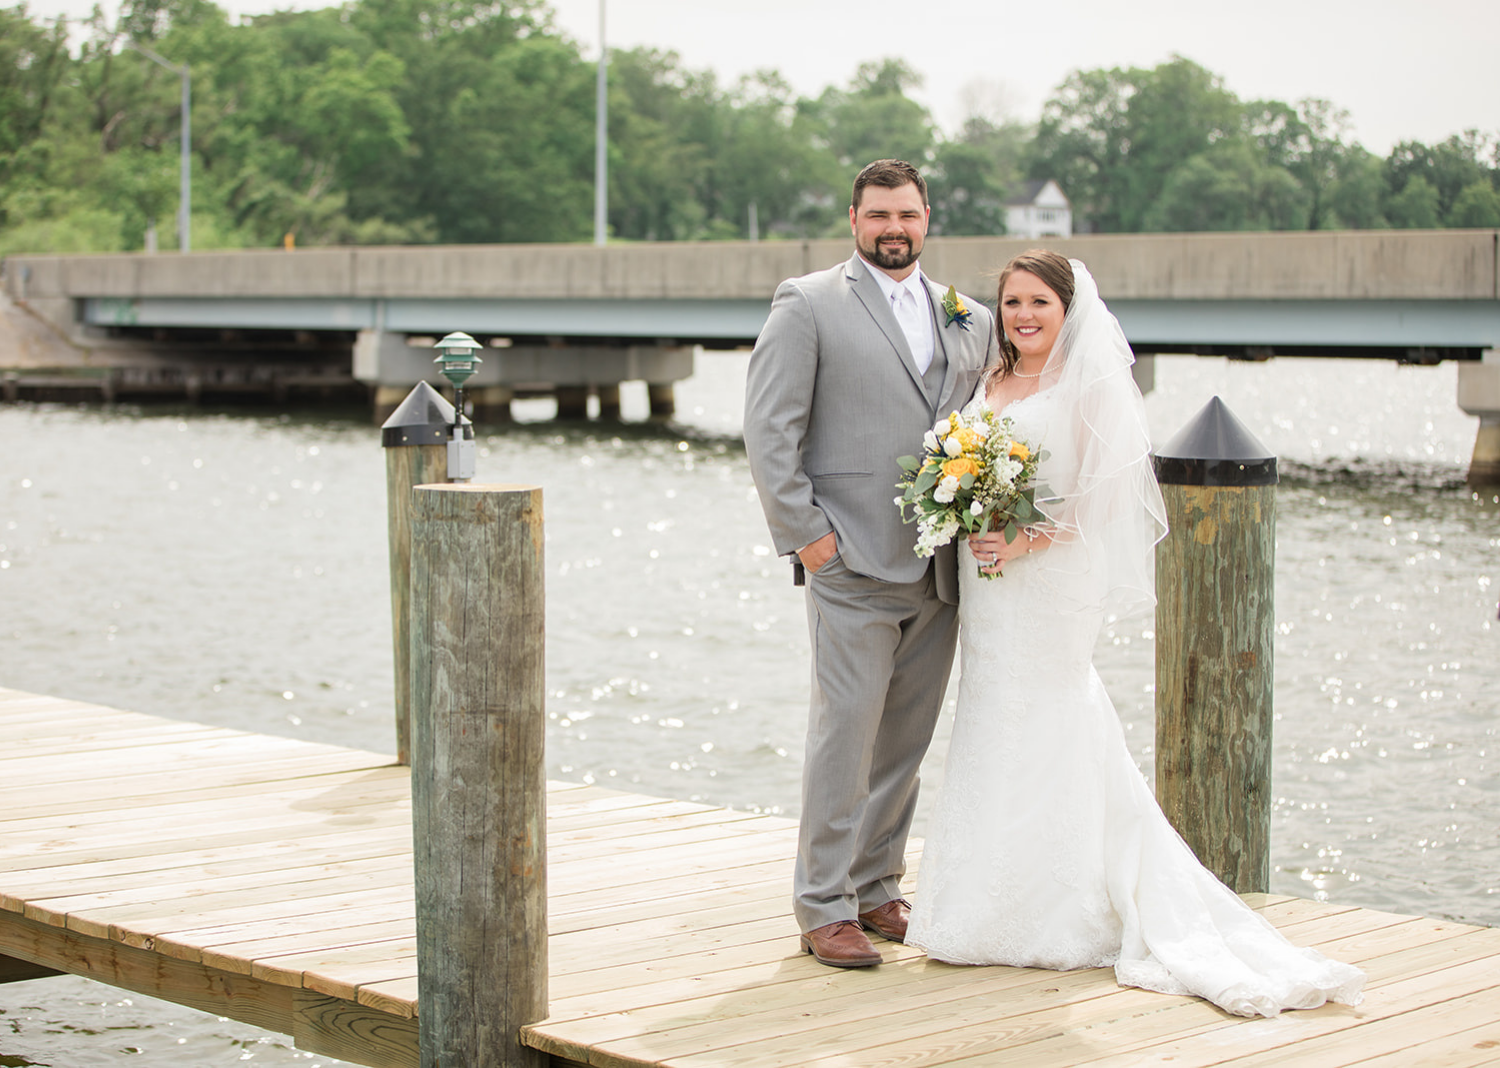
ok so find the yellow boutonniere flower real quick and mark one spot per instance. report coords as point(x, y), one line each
point(956, 310)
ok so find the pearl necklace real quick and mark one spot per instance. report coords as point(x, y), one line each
point(1022, 374)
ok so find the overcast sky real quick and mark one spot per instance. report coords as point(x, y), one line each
point(1403, 70)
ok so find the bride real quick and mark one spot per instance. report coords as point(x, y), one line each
point(1046, 848)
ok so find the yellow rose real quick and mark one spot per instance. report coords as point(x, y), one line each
point(965, 437)
point(960, 467)
point(1019, 451)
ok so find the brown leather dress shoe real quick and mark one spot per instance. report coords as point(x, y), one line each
point(841, 945)
point(889, 920)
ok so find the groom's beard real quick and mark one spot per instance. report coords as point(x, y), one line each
point(892, 254)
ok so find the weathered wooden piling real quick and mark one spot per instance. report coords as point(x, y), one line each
point(1215, 620)
point(415, 439)
point(478, 773)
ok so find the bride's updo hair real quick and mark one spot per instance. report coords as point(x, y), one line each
point(1054, 270)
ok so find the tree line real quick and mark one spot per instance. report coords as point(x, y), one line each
point(464, 121)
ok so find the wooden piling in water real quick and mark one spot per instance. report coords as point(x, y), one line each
point(415, 439)
point(1215, 620)
point(478, 773)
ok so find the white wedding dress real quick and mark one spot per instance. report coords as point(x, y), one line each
point(1046, 848)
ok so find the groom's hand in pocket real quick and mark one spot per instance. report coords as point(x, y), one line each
point(818, 553)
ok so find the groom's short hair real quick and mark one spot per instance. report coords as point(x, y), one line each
point(888, 174)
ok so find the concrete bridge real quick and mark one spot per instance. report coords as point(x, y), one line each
point(578, 320)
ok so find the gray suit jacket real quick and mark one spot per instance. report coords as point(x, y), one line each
point(833, 397)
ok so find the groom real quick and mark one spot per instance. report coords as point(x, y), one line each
point(854, 364)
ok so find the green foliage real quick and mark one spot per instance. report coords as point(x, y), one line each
point(974, 175)
point(453, 121)
point(1171, 149)
point(874, 118)
point(1477, 205)
point(1416, 207)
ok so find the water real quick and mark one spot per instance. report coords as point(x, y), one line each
point(231, 569)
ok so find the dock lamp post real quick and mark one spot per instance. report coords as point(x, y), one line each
point(185, 191)
point(458, 360)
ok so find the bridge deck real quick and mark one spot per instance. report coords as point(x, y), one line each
point(269, 880)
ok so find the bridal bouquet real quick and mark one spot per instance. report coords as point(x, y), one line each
point(973, 476)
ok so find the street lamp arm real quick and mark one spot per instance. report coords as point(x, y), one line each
point(180, 69)
point(185, 195)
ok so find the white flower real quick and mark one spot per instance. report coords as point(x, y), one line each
point(943, 428)
point(1007, 469)
point(953, 447)
point(930, 441)
point(974, 509)
point(946, 490)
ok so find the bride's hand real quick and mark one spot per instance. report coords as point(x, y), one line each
point(992, 552)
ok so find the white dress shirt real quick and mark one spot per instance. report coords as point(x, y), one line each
point(913, 310)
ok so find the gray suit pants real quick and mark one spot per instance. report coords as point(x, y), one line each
point(882, 653)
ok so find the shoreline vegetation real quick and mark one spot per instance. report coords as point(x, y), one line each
point(340, 126)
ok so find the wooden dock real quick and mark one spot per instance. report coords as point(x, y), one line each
point(270, 880)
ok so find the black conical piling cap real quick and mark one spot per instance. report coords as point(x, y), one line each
point(423, 418)
point(1215, 449)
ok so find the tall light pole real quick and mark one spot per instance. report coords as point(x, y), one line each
point(185, 188)
point(601, 138)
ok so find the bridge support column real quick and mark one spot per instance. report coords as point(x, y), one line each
point(492, 404)
point(609, 401)
point(1479, 394)
point(572, 402)
point(663, 400)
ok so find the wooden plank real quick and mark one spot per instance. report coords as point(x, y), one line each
point(152, 922)
point(1407, 1034)
point(260, 835)
point(62, 804)
point(243, 955)
point(1400, 982)
point(1479, 1045)
point(238, 997)
point(114, 741)
point(593, 891)
point(190, 863)
point(264, 761)
point(150, 834)
point(387, 870)
point(125, 788)
point(339, 979)
point(390, 995)
point(288, 968)
point(352, 788)
point(153, 820)
point(189, 943)
point(332, 1027)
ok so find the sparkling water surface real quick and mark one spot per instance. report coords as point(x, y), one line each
point(231, 569)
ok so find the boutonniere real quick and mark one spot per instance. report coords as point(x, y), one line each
point(958, 313)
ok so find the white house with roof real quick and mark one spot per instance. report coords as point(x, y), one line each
point(1039, 210)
